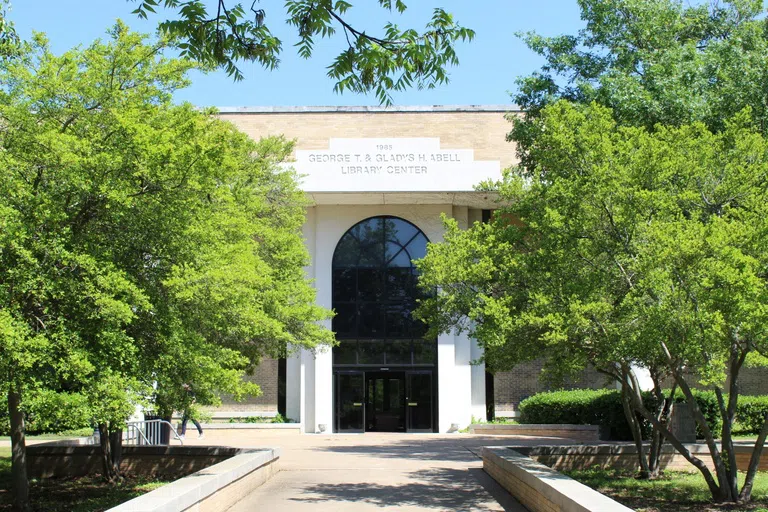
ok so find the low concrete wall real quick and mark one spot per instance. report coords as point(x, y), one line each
point(587, 433)
point(212, 489)
point(57, 460)
point(624, 456)
point(542, 489)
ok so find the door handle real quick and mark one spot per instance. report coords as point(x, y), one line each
point(357, 404)
point(413, 404)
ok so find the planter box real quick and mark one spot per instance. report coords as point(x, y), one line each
point(586, 433)
point(540, 488)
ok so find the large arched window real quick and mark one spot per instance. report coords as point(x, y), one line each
point(375, 293)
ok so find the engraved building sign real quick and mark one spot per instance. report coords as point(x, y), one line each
point(391, 165)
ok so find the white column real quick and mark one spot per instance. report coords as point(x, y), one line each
point(478, 381)
point(325, 244)
point(643, 376)
point(446, 401)
point(462, 381)
point(308, 391)
point(462, 371)
point(293, 386)
point(476, 351)
point(296, 383)
point(323, 391)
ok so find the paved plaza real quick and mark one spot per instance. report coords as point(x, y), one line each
point(361, 472)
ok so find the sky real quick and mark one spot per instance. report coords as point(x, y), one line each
point(485, 76)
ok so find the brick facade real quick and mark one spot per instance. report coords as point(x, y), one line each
point(266, 377)
point(510, 388)
point(481, 130)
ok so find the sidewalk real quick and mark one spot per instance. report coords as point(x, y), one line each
point(404, 472)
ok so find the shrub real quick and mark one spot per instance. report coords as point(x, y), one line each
point(750, 413)
point(603, 407)
point(52, 412)
point(579, 407)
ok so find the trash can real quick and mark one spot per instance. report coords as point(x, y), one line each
point(682, 422)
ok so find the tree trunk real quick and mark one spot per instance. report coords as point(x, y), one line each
point(627, 394)
point(721, 491)
point(663, 413)
point(19, 480)
point(746, 490)
point(116, 446)
point(109, 469)
point(680, 447)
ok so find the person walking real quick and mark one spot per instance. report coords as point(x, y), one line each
point(189, 414)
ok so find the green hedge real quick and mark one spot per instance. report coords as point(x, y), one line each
point(750, 413)
point(51, 412)
point(603, 407)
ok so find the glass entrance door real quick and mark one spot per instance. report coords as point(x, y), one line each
point(419, 401)
point(385, 408)
point(350, 400)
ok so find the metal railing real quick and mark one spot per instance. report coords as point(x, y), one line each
point(150, 432)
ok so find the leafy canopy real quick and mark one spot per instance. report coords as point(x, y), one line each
point(657, 61)
point(616, 239)
point(224, 34)
point(140, 241)
point(619, 246)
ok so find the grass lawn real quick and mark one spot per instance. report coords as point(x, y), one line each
point(87, 494)
point(673, 492)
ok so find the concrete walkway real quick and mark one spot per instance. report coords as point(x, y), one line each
point(404, 472)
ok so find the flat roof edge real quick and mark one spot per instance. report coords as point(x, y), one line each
point(368, 109)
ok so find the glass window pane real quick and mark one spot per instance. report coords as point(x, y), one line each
point(424, 352)
point(345, 353)
point(400, 283)
point(418, 247)
point(416, 328)
point(399, 352)
point(400, 230)
point(371, 321)
point(345, 284)
point(370, 284)
point(344, 323)
point(371, 243)
point(398, 318)
point(371, 352)
point(397, 256)
point(347, 252)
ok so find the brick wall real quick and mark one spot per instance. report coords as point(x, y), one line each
point(510, 388)
point(266, 377)
point(753, 381)
point(484, 132)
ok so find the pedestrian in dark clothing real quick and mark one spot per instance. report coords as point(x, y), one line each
point(188, 414)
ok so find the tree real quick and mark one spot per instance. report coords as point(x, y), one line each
point(9, 40)
point(396, 60)
point(630, 247)
point(656, 61)
point(141, 242)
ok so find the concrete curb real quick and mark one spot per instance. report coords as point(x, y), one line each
point(195, 489)
point(540, 488)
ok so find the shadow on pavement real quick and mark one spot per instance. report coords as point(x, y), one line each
point(462, 448)
point(441, 489)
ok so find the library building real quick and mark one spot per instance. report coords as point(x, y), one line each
point(379, 179)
